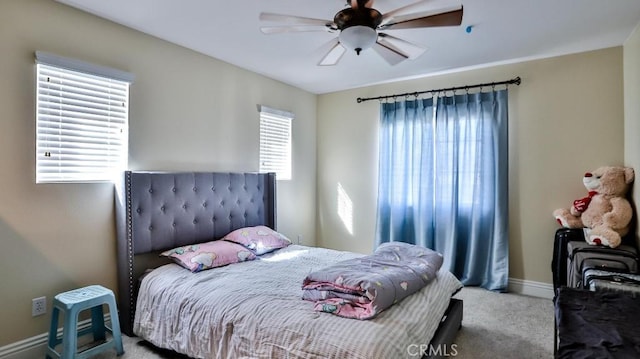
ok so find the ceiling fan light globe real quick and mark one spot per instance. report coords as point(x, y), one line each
point(358, 38)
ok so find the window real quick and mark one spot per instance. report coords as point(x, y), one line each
point(450, 150)
point(459, 168)
point(275, 142)
point(82, 119)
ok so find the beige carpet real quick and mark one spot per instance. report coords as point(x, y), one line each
point(498, 325)
point(494, 325)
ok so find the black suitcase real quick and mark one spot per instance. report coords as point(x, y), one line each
point(599, 280)
point(559, 260)
point(583, 256)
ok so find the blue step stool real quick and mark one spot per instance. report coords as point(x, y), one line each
point(70, 304)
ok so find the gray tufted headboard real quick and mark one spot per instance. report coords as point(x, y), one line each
point(156, 211)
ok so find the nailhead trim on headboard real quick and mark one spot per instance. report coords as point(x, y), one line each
point(132, 312)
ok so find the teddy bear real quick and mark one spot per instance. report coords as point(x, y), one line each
point(605, 213)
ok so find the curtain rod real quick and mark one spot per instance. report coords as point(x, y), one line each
point(515, 81)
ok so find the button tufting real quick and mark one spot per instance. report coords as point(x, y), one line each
point(195, 189)
point(162, 208)
point(139, 210)
point(151, 228)
point(150, 190)
point(204, 204)
point(184, 206)
point(174, 224)
point(173, 189)
point(195, 221)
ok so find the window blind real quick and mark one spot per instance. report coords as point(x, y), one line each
point(275, 142)
point(82, 125)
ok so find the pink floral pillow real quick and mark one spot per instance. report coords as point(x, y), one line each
point(259, 239)
point(198, 257)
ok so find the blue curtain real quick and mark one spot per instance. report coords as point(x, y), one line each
point(443, 182)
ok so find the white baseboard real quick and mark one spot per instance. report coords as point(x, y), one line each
point(33, 347)
point(531, 288)
point(36, 347)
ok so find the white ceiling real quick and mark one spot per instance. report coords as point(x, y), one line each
point(503, 31)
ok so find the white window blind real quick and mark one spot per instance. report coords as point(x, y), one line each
point(81, 121)
point(275, 142)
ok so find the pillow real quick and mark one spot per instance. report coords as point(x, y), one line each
point(198, 257)
point(259, 239)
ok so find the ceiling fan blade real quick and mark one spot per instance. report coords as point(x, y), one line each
point(333, 54)
point(410, 49)
point(294, 20)
point(390, 55)
point(448, 18)
point(427, 13)
point(404, 9)
point(269, 30)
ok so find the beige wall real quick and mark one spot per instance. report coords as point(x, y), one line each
point(188, 112)
point(566, 118)
point(632, 109)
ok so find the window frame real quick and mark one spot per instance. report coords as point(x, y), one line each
point(285, 151)
point(86, 111)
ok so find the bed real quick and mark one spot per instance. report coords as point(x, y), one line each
point(254, 308)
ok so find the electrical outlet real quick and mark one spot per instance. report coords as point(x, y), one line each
point(38, 306)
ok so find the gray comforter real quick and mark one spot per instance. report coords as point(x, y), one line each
point(253, 310)
point(363, 287)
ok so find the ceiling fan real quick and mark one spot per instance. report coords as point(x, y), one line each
point(359, 26)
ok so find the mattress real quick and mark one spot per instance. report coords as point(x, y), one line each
point(254, 310)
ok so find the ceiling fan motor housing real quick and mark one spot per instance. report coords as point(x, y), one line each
point(353, 17)
point(358, 27)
